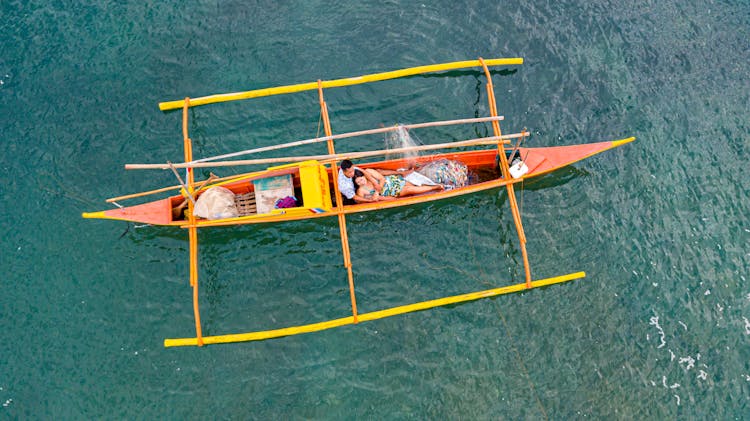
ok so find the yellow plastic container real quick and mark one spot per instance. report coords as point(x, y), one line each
point(316, 191)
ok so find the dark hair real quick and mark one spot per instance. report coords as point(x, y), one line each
point(357, 174)
point(346, 164)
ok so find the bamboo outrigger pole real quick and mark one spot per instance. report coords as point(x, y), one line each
point(505, 168)
point(173, 105)
point(375, 315)
point(339, 205)
point(192, 227)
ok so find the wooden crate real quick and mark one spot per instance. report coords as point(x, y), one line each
point(245, 204)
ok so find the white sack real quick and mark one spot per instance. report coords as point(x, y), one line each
point(216, 203)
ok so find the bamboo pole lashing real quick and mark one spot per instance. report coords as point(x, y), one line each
point(492, 140)
point(339, 205)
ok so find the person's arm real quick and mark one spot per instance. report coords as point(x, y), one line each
point(392, 172)
point(377, 198)
point(362, 199)
point(375, 178)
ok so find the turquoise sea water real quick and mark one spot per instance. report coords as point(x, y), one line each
point(659, 328)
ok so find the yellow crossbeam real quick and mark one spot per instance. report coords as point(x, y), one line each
point(363, 317)
point(288, 89)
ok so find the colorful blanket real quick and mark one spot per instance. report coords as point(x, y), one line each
point(446, 172)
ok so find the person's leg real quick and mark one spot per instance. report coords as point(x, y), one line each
point(410, 189)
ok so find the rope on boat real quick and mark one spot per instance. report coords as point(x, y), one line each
point(182, 183)
point(524, 132)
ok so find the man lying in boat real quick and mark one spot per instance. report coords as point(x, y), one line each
point(374, 186)
point(346, 183)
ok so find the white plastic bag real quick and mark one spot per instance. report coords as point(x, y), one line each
point(419, 179)
point(216, 203)
point(518, 169)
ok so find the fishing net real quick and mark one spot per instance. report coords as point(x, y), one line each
point(442, 171)
point(446, 172)
point(401, 138)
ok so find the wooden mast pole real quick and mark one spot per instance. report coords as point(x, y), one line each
point(192, 227)
point(505, 168)
point(339, 205)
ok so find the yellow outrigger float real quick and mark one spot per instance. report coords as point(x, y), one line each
point(314, 179)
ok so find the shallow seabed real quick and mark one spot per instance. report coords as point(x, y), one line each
point(659, 328)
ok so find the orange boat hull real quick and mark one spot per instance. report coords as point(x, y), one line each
point(538, 160)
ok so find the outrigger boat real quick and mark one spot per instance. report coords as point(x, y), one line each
point(313, 181)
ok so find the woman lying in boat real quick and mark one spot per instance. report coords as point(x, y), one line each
point(346, 182)
point(373, 186)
